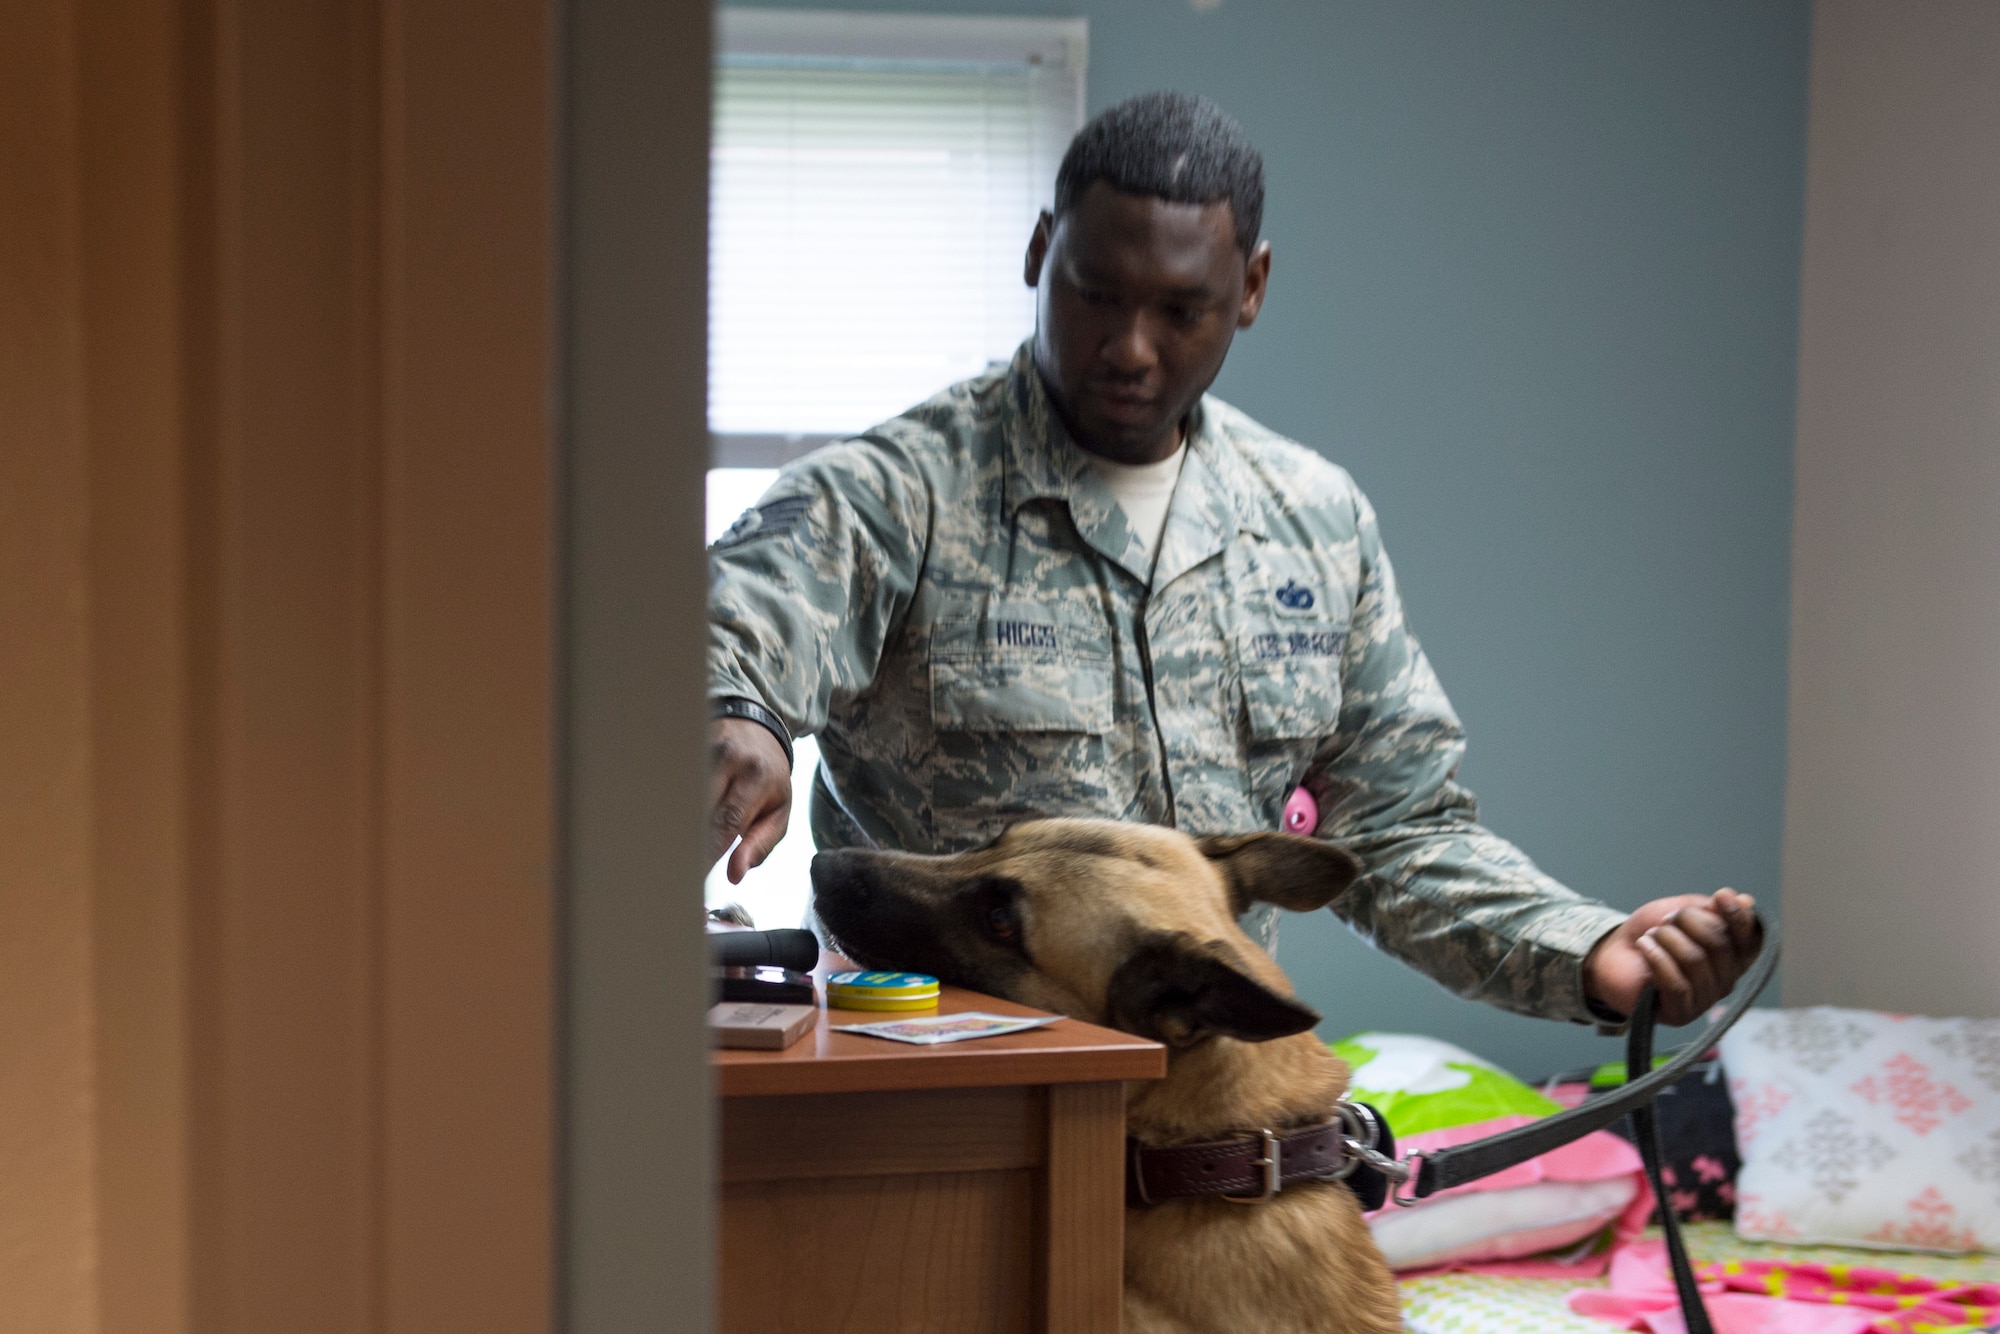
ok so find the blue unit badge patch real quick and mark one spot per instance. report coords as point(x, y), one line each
point(1295, 596)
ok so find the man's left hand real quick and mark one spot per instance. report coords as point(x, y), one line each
point(1692, 947)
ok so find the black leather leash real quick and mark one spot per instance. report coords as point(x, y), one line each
point(1429, 1173)
point(1446, 1168)
point(1646, 1134)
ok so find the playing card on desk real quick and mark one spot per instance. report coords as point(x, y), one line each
point(946, 1027)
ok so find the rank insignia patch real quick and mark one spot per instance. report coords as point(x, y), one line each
point(774, 518)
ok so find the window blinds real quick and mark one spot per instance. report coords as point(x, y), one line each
point(874, 180)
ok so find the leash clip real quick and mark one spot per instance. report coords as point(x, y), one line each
point(1272, 1170)
point(1406, 1174)
point(1360, 1132)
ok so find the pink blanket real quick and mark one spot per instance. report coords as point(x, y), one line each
point(1777, 1297)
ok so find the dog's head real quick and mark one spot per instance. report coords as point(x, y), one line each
point(1129, 926)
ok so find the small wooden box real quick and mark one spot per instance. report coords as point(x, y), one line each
point(755, 1026)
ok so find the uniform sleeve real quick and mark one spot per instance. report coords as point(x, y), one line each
point(806, 588)
point(1439, 891)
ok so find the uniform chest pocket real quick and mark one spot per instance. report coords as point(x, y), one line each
point(1021, 667)
point(1291, 677)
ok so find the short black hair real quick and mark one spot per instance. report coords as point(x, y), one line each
point(1172, 146)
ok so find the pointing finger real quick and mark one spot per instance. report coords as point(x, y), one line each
point(763, 835)
point(726, 821)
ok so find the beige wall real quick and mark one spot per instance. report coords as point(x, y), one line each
point(277, 892)
point(1892, 840)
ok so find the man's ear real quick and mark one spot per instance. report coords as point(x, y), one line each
point(1256, 282)
point(1038, 249)
point(1176, 990)
point(1293, 872)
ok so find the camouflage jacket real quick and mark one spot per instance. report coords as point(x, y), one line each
point(954, 605)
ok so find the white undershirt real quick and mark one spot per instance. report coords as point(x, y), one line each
point(1144, 491)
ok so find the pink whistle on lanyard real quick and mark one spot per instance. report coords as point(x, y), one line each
point(1301, 812)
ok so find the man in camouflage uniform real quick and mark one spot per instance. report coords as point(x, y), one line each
point(962, 611)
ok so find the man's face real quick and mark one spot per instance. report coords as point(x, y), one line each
point(1137, 301)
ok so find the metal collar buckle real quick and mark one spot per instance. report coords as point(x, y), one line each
point(1137, 1164)
point(1357, 1132)
point(1273, 1170)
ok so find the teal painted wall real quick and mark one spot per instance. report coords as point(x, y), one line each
point(1536, 287)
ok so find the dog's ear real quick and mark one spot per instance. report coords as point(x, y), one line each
point(1176, 990)
point(1293, 872)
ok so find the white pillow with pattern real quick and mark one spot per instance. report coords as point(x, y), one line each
point(1867, 1129)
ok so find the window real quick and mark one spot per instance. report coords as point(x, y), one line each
point(874, 178)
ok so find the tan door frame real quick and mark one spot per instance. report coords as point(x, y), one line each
point(638, 1235)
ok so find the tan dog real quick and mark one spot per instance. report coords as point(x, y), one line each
point(1134, 927)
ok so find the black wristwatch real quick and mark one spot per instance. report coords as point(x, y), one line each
point(735, 706)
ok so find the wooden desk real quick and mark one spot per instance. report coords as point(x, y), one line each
point(875, 1186)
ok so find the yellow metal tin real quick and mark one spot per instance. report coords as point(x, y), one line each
point(897, 1003)
point(882, 991)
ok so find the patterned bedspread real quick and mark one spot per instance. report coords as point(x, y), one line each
point(1487, 1304)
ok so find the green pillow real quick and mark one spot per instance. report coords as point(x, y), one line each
point(1420, 1084)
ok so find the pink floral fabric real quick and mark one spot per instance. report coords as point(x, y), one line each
point(1785, 1297)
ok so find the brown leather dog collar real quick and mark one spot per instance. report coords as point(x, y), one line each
point(1255, 1167)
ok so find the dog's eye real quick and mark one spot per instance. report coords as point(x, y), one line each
point(1002, 924)
point(994, 910)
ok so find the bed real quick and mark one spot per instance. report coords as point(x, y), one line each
point(1476, 1303)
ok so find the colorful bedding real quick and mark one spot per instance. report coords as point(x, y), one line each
point(1478, 1303)
point(1435, 1096)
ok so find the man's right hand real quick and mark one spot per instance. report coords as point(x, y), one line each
point(749, 795)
